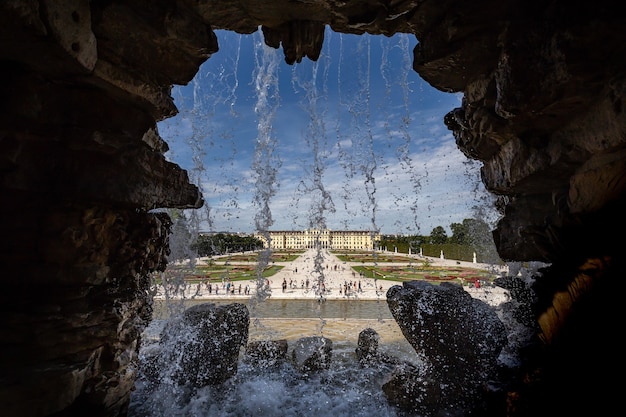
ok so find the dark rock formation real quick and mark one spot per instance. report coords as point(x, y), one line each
point(202, 346)
point(299, 39)
point(413, 391)
point(313, 353)
point(82, 166)
point(459, 338)
point(367, 350)
point(266, 353)
point(367, 346)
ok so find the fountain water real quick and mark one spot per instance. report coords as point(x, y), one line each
point(265, 162)
point(371, 184)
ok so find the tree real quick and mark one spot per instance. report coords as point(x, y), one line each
point(479, 236)
point(438, 236)
point(416, 241)
point(223, 243)
point(459, 233)
point(403, 243)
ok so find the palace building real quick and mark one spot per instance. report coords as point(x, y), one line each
point(327, 239)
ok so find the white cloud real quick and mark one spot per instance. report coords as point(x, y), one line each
point(421, 178)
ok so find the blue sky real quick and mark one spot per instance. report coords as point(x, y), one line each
point(353, 141)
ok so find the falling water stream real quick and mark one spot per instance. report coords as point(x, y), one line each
point(204, 142)
point(265, 162)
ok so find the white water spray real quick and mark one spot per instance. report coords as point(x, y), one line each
point(266, 163)
point(345, 389)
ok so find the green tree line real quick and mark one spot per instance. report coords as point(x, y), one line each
point(224, 243)
point(469, 237)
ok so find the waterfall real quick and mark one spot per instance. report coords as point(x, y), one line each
point(356, 146)
point(399, 132)
point(355, 153)
point(382, 167)
point(266, 162)
point(197, 137)
point(314, 103)
point(309, 81)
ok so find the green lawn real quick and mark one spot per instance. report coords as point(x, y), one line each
point(243, 267)
point(431, 274)
point(369, 257)
point(215, 273)
point(283, 256)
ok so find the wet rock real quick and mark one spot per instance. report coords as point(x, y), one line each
point(266, 353)
point(458, 337)
point(542, 111)
point(368, 355)
point(367, 347)
point(150, 364)
point(409, 389)
point(312, 353)
point(202, 347)
point(523, 297)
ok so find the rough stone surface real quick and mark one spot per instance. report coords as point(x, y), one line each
point(367, 346)
point(367, 352)
point(459, 338)
point(266, 353)
point(313, 353)
point(411, 390)
point(202, 347)
point(81, 166)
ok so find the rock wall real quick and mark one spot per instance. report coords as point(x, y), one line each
point(82, 165)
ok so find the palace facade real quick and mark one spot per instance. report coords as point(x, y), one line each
point(327, 239)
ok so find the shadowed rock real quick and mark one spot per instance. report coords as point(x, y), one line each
point(298, 38)
point(204, 343)
point(543, 87)
point(312, 353)
point(410, 388)
point(266, 353)
point(367, 350)
point(458, 337)
point(367, 347)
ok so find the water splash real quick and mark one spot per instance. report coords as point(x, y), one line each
point(343, 390)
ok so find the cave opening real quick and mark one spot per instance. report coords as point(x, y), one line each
point(353, 140)
point(86, 82)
